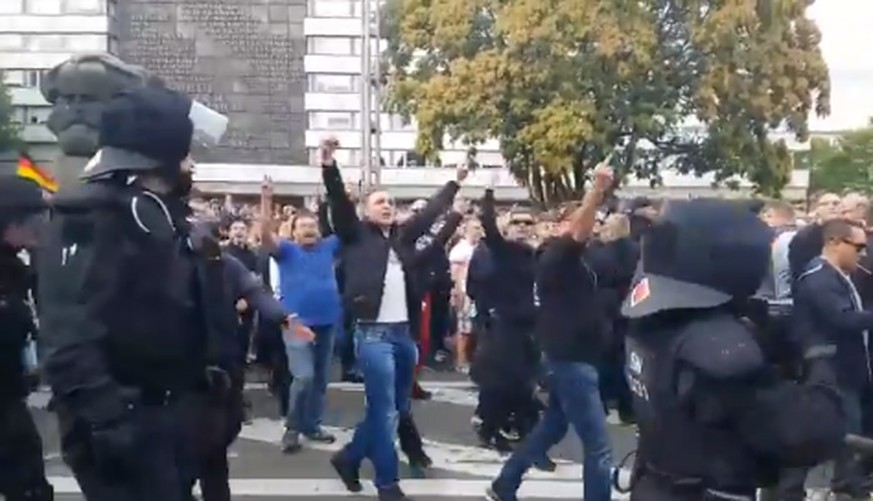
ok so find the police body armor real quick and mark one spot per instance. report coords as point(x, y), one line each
point(679, 438)
point(122, 245)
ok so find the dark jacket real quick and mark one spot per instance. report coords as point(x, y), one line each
point(511, 286)
point(16, 324)
point(571, 319)
point(366, 249)
point(479, 277)
point(806, 244)
point(244, 255)
point(825, 313)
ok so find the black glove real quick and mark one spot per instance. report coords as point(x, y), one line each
point(116, 446)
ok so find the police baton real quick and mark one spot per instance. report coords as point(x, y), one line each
point(859, 444)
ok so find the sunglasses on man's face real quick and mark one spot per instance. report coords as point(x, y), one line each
point(521, 222)
point(859, 246)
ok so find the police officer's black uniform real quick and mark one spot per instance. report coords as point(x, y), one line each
point(131, 351)
point(715, 420)
point(22, 472)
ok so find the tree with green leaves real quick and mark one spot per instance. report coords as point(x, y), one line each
point(9, 130)
point(561, 83)
point(845, 164)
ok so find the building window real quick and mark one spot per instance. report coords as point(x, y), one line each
point(332, 8)
point(85, 43)
point(33, 78)
point(335, 46)
point(47, 43)
point(42, 6)
point(335, 84)
point(112, 45)
point(83, 6)
point(10, 42)
point(11, 6)
point(333, 120)
point(36, 116)
point(390, 121)
point(18, 115)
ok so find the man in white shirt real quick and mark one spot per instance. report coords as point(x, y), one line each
point(460, 257)
point(382, 294)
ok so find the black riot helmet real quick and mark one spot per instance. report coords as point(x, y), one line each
point(151, 128)
point(700, 254)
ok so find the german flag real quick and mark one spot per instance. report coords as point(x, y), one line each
point(28, 169)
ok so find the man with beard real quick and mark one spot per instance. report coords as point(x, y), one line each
point(133, 344)
point(79, 90)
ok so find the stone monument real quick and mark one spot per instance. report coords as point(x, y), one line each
point(78, 90)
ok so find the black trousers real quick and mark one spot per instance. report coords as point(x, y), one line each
point(502, 408)
point(22, 471)
point(164, 462)
point(221, 422)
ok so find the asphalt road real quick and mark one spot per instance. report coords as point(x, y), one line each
point(461, 470)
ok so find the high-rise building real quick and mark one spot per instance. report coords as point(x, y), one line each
point(333, 65)
point(35, 35)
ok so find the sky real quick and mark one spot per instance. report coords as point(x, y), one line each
point(847, 40)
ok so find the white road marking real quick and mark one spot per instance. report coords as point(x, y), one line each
point(317, 487)
point(463, 459)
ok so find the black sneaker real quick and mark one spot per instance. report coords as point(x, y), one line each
point(347, 472)
point(393, 493)
point(321, 437)
point(291, 442)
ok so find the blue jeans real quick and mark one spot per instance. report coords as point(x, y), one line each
point(309, 363)
point(386, 357)
point(574, 399)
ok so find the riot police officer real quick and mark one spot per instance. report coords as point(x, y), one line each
point(132, 349)
point(698, 376)
point(22, 472)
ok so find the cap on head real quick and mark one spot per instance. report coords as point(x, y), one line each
point(143, 129)
point(700, 254)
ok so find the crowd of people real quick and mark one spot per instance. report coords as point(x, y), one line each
point(733, 334)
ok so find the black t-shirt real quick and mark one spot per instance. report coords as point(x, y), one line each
point(570, 321)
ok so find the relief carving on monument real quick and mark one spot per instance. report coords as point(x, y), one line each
point(222, 53)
